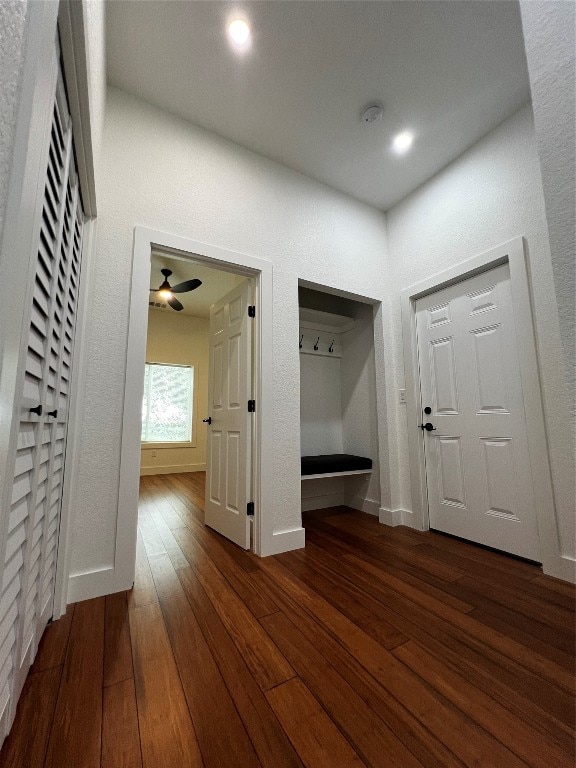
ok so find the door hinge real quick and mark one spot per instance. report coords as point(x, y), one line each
point(250, 508)
point(251, 406)
point(251, 311)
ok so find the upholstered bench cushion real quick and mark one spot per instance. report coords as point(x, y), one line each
point(335, 462)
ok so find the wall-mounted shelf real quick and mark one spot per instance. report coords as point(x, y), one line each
point(314, 319)
point(322, 330)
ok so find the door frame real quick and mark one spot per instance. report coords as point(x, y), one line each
point(213, 256)
point(512, 252)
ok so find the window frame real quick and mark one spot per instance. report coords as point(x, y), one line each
point(156, 445)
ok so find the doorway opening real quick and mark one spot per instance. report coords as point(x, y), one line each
point(476, 431)
point(245, 494)
point(198, 380)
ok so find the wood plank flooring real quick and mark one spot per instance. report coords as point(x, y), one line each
point(374, 646)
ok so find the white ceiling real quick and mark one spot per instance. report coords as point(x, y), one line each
point(449, 71)
point(215, 284)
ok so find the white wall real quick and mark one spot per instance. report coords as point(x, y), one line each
point(180, 339)
point(490, 194)
point(162, 172)
point(12, 51)
point(359, 412)
point(550, 39)
point(94, 25)
point(320, 405)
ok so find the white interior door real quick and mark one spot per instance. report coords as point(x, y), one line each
point(477, 463)
point(31, 539)
point(229, 453)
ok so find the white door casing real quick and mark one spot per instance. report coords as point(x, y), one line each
point(478, 469)
point(229, 450)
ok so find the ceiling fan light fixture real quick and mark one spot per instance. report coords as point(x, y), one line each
point(165, 293)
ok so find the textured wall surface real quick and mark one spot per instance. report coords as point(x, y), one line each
point(359, 413)
point(180, 339)
point(94, 22)
point(491, 194)
point(12, 50)
point(162, 172)
point(550, 37)
point(320, 405)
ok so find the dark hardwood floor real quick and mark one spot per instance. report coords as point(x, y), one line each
point(374, 646)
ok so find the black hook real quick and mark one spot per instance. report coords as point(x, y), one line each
point(316, 345)
point(331, 347)
point(301, 339)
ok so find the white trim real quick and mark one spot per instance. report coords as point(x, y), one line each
point(144, 240)
point(285, 541)
point(75, 58)
point(171, 469)
point(323, 501)
point(339, 329)
point(76, 409)
point(83, 586)
point(369, 506)
point(512, 252)
point(391, 517)
point(337, 474)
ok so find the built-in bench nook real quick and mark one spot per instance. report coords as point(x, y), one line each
point(338, 414)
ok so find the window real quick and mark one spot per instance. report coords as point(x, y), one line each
point(167, 403)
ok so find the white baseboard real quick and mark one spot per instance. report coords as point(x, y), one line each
point(561, 568)
point(369, 506)
point(285, 541)
point(322, 502)
point(391, 517)
point(172, 469)
point(84, 586)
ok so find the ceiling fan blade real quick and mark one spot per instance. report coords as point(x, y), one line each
point(175, 304)
point(187, 285)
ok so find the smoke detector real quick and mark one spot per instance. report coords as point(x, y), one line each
point(372, 113)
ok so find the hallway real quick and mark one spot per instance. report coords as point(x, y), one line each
point(373, 646)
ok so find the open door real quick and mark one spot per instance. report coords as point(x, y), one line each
point(229, 453)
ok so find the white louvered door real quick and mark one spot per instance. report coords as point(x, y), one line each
point(29, 558)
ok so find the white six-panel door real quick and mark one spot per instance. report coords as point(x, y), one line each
point(229, 455)
point(477, 463)
point(30, 544)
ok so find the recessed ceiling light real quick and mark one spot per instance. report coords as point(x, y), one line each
point(239, 31)
point(402, 142)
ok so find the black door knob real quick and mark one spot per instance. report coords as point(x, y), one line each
point(208, 420)
point(37, 410)
point(53, 413)
point(428, 427)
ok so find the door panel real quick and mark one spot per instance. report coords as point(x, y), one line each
point(229, 435)
point(477, 463)
point(29, 558)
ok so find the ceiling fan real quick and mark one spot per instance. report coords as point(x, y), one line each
point(167, 291)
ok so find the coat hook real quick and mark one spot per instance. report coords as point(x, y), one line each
point(331, 347)
point(316, 345)
point(301, 339)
